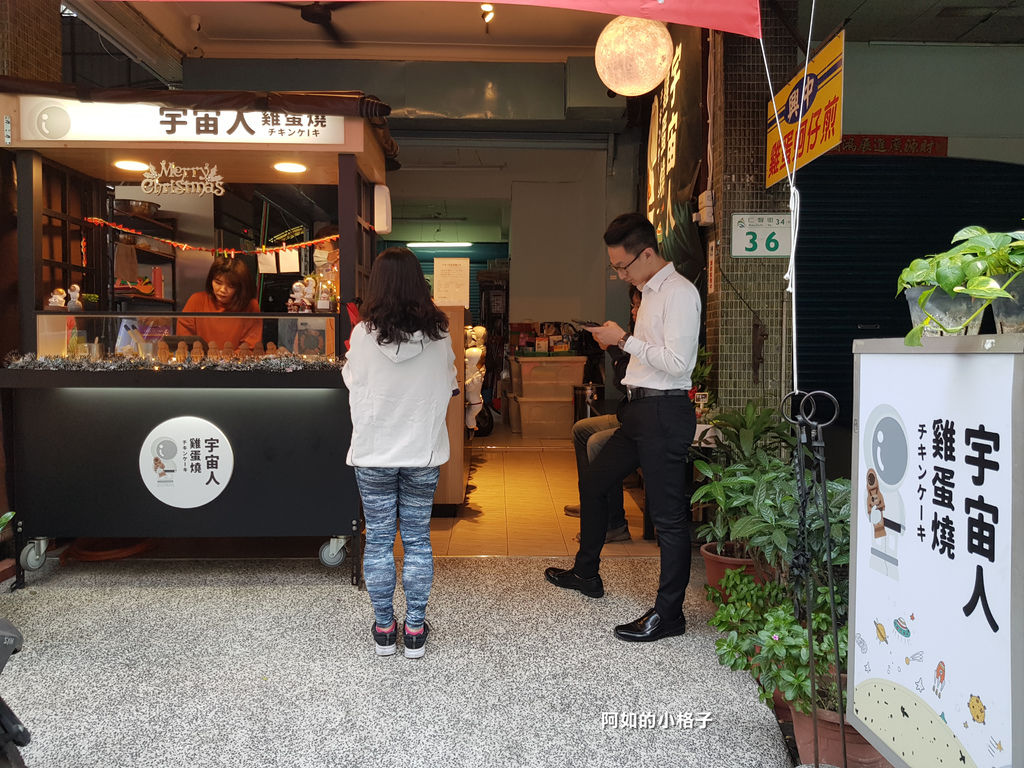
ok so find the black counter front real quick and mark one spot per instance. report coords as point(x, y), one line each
point(81, 447)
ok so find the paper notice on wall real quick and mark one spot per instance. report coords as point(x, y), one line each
point(267, 263)
point(451, 282)
point(288, 260)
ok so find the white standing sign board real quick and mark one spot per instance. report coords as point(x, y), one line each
point(935, 621)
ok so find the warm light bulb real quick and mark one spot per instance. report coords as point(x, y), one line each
point(289, 167)
point(131, 165)
point(633, 55)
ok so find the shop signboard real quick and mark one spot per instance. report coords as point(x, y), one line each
point(810, 109)
point(902, 145)
point(761, 235)
point(46, 118)
point(934, 620)
point(186, 462)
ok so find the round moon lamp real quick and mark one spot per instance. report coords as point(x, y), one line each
point(633, 55)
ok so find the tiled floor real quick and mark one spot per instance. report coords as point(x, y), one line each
point(514, 505)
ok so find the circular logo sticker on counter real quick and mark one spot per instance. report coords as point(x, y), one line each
point(186, 462)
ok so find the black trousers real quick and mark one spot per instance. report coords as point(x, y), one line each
point(655, 435)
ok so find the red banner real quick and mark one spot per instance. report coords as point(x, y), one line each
point(740, 16)
point(888, 144)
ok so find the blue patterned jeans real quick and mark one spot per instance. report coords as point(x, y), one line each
point(398, 498)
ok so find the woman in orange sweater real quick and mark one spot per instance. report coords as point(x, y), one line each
point(229, 288)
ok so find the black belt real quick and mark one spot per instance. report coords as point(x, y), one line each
point(639, 393)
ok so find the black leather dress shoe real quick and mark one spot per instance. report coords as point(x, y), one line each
point(566, 578)
point(650, 627)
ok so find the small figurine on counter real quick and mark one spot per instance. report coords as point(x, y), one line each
point(213, 351)
point(197, 351)
point(57, 299)
point(297, 301)
point(271, 348)
point(74, 305)
point(181, 353)
point(243, 351)
point(309, 292)
point(163, 352)
point(228, 351)
point(258, 349)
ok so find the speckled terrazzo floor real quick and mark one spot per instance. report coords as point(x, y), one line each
point(152, 663)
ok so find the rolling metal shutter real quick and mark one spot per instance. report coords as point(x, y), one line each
point(862, 220)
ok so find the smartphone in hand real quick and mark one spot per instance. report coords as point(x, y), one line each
point(586, 323)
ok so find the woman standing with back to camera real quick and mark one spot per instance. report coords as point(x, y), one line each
point(400, 371)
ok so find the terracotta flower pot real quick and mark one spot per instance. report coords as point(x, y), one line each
point(783, 712)
point(859, 753)
point(715, 565)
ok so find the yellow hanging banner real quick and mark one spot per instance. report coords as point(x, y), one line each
point(811, 109)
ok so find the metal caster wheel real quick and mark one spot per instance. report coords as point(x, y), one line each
point(33, 555)
point(332, 552)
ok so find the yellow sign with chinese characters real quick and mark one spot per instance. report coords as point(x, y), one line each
point(809, 113)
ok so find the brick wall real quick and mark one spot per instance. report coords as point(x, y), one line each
point(747, 289)
point(30, 39)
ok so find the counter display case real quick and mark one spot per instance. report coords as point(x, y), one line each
point(123, 426)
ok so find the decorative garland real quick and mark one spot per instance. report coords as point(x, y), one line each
point(226, 252)
point(120, 363)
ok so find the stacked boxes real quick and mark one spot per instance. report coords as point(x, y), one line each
point(543, 390)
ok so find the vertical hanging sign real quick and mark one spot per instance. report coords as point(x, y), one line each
point(811, 109)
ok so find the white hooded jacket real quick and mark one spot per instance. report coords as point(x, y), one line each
point(399, 395)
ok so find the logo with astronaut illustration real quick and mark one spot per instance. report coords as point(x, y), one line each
point(886, 457)
point(186, 462)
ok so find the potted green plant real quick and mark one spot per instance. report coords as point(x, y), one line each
point(741, 472)
point(763, 634)
point(976, 270)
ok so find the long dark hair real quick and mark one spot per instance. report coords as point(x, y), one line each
point(397, 301)
point(233, 272)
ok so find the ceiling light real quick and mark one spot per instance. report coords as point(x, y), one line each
point(438, 245)
point(633, 55)
point(289, 167)
point(488, 12)
point(131, 165)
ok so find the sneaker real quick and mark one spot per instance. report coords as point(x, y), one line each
point(385, 641)
point(615, 534)
point(572, 510)
point(415, 645)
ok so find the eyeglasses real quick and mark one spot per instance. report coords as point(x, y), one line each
point(615, 269)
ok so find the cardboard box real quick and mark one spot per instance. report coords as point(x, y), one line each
point(542, 417)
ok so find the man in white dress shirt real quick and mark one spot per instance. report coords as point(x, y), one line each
point(657, 426)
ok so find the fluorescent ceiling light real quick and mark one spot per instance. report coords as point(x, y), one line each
point(289, 167)
point(131, 165)
point(439, 245)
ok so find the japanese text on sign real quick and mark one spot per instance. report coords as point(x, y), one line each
point(67, 120)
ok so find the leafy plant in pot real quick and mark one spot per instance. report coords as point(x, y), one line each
point(765, 630)
point(756, 485)
point(977, 270)
point(741, 471)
